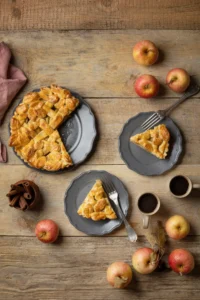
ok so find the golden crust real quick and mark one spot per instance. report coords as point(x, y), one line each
point(47, 153)
point(33, 128)
point(96, 205)
point(155, 141)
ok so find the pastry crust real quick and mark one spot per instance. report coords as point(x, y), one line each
point(155, 141)
point(33, 128)
point(96, 205)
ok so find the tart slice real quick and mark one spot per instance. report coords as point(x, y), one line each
point(96, 205)
point(155, 141)
point(46, 152)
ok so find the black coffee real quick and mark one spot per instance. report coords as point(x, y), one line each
point(179, 185)
point(147, 203)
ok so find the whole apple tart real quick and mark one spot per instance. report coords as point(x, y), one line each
point(34, 134)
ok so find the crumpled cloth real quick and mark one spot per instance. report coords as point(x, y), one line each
point(12, 80)
point(3, 153)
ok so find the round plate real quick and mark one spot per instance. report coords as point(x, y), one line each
point(78, 134)
point(76, 194)
point(140, 160)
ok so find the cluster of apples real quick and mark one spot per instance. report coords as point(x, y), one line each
point(180, 260)
point(119, 274)
point(147, 86)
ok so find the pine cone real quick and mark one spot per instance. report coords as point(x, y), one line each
point(23, 195)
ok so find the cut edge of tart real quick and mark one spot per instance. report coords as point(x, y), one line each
point(96, 205)
point(154, 141)
point(33, 127)
point(48, 154)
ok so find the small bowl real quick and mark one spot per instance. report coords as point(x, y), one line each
point(24, 195)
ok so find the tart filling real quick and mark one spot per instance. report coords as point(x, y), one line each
point(96, 205)
point(155, 141)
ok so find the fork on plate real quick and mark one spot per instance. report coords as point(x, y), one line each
point(161, 114)
point(113, 195)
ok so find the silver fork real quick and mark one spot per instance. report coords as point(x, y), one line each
point(113, 195)
point(161, 114)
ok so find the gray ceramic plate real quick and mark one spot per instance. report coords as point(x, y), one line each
point(141, 161)
point(78, 134)
point(75, 195)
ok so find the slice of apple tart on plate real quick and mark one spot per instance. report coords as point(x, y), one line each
point(88, 206)
point(96, 205)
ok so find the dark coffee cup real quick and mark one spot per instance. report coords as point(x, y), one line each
point(148, 204)
point(181, 186)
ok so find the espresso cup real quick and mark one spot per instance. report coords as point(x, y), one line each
point(181, 186)
point(148, 205)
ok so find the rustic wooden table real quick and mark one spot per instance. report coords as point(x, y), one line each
point(99, 66)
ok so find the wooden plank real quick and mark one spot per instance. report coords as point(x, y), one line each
point(101, 14)
point(106, 55)
point(100, 63)
point(111, 116)
point(76, 268)
point(53, 187)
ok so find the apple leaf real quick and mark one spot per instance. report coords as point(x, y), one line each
point(161, 237)
point(152, 239)
point(157, 241)
point(154, 257)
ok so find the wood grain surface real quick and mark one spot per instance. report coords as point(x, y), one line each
point(99, 14)
point(53, 188)
point(100, 63)
point(111, 116)
point(99, 66)
point(75, 268)
point(108, 71)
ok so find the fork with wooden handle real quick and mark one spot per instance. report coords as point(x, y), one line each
point(161, 114)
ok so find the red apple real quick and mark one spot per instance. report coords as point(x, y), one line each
point(47, 231)
point(181, 261)
point(145, 53)
point(119, 274)
point(143, 262)
point(178, 80)
point(177, 227)
point(146, 86)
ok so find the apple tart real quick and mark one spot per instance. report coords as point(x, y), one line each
point(33, 127)
point(155, 141)
point(96, 205)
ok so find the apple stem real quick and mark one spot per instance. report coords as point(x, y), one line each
point(181, 274)
point(172, 80)
point(41, 234)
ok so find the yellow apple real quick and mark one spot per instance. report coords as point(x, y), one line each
point(178, 80)
point(145, 53)
point(177, 227)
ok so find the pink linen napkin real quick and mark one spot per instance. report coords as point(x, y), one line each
point(11, 81)
point(3, 153)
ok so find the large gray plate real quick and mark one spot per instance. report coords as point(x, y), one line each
point(78, 134)
point(140, 160)
point(77, 192)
